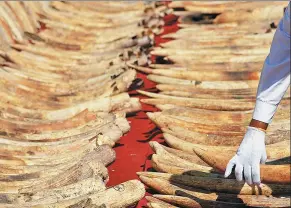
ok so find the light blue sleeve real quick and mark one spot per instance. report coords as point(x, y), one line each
point(275, 76)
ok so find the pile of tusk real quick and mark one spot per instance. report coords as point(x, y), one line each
point(207, 87)
point(63, 99)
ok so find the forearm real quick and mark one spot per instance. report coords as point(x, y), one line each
point(275, 76)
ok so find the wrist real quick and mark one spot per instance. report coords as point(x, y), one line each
point(259, 125)
point(259, 129)
point(255, 129)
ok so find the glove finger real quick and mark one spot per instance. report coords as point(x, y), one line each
point(264, 157)
point(248, 174)
point(229, 167)
point(256, 174)
point(239, 172)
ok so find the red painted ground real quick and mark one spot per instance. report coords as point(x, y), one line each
point(133, 151)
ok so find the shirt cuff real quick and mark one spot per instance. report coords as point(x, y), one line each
point(264, 111)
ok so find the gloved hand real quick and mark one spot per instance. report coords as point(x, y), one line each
point(251, 152)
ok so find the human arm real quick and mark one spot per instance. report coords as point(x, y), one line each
point(274, 82)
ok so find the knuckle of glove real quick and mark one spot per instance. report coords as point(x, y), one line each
point(238, 173)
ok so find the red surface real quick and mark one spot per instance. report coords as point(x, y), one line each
point(133, 151)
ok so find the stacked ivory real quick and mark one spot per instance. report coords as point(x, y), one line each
point(206, 96)
point(64, 100)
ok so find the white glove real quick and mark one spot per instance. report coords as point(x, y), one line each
point(251, 152)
